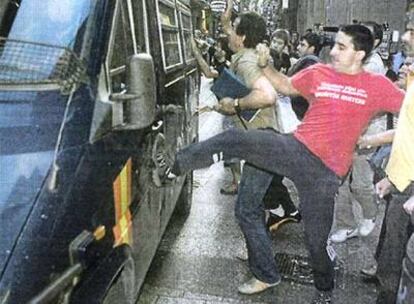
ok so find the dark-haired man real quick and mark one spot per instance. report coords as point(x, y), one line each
point(359, 187)
point(308, 49)
point(309, 45)
point(247, 31)
point(343, 99)
point(374, 62)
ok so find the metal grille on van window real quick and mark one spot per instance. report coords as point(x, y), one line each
point(30, 66)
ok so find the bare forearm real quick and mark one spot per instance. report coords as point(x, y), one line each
point(226, 18)
point(279, 81)
point(376, 140)
point(204, 67)
point(257, 100)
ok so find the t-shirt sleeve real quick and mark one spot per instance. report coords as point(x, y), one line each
point(304, 81)
point(390, 96)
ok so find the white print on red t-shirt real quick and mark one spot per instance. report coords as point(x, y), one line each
point(342, 92)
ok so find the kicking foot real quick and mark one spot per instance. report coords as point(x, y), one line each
point(162, 174)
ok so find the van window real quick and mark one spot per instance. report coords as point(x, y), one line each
point(169, 34)
point(51, 26)
point(139, 13)
point(121, 48)
point(186, 31)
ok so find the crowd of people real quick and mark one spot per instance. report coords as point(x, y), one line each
point(347, 109)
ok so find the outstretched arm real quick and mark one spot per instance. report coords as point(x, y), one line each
point(279, 81)
point(261, 96)
point(226, 18)
point(375, 140)
point(204, 67)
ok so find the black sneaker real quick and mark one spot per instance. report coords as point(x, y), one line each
point(274, 221)
point(162, 172)
point(322, 297)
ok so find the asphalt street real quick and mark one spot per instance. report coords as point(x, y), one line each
point(197, 262)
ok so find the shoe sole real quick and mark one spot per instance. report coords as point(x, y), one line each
point(368, 274)
point(274, 227)
point(251, 292)
point(242, 258)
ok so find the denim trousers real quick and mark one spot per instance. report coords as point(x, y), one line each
point(281, 154)
point(250, 215)
point(395, 232)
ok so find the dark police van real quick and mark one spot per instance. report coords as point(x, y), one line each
point(91, 92)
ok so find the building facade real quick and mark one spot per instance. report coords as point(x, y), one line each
point(337, 12)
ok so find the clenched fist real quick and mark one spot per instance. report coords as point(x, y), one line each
point(225, 106)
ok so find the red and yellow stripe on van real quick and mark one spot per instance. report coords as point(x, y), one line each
point(122, 200)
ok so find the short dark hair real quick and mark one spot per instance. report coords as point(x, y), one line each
point(253, 26)
point(377, 30)
point(314, 40)
point(362, 38)
point(282, 34)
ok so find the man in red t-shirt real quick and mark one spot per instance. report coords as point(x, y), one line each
point(343, 98)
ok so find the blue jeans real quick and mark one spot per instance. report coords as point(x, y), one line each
point(251, 218)
point(284, 155)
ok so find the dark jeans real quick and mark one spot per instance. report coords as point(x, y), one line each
point(251, 218)
point(286, 156)
point(395, 231)
point(277, 194)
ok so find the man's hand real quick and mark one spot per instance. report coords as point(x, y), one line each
point(383, 187)
point(263, 54)
point(409, 205)
point(225, 106)
point(226, 18)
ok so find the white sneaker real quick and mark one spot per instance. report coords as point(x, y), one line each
point(366, 227)
point(343, 234)
point(254, 285)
